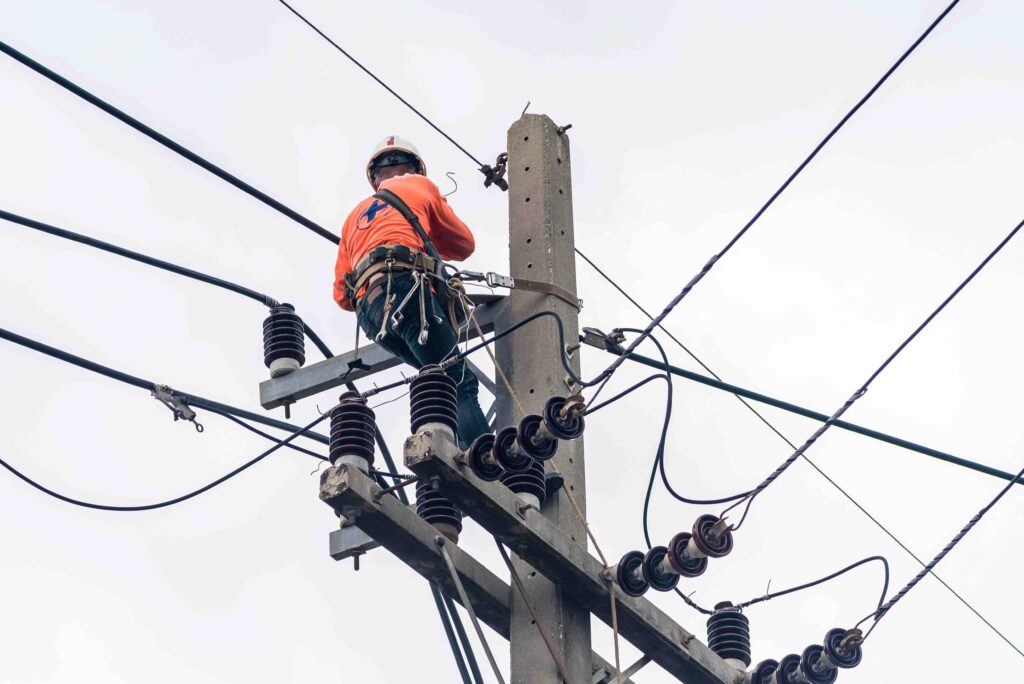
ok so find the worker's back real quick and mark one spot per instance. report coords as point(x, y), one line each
point(373, 223)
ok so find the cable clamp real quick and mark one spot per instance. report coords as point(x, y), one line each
point(496, 280)
point(608, 341)
point(495, 175)
point(178, 405)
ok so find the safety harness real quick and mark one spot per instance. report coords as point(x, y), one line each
point(392, 259)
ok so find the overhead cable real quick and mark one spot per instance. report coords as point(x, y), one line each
point(263, 299)
point(740, 393)
point(656, 321)
point(384, 85)
point(169, 502)
point(121, 376)
point(878, 371)
point(168, 143)
point(800, 411)
point(884, 610)
point(776, 594)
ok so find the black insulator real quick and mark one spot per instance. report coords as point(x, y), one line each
point(352, 429)
point(815, 667)
point(729, 633)
point(844, 657)
point(432, 399)
point(437, 509)
point(284, 342)
point(507, 453)
point(562, 427)
point(655, 574)
point(530, 482)
point(789, 670)
point(481, 459)
point(533, 441)
point(714, 545)
point(685, 565)
point(762, 674)
point(629, 574)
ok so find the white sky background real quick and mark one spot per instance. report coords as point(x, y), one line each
point(686, 117)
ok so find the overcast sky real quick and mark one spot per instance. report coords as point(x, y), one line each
point(686, 116)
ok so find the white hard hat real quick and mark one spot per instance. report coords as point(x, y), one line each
point(393, 143)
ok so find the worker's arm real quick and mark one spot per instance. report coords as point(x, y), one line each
point(446, 230)
point(451, 236)
point(342, 266)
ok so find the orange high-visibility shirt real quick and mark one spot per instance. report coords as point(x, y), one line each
point(374, 223)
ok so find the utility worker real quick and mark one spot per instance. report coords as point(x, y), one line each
point(386, 274)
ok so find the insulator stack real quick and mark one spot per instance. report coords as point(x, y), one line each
point(628, 574)
point(568, 426)
point(817, 665)
point(712, 536)
point(764, 673)
point(658, 570)
point(480, 458)
point(508, 453)
point(352, 432)
point(535, 439)
point(438, 510)
point(432, 399)
point(729, 635)
point(284, 342)
point(529, 485)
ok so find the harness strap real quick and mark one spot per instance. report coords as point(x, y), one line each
point(399, 204)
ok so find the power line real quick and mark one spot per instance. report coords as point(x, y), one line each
point(121, 376)
point(656, 321)
point(884, 610)
point(740, 392)
point(168, 143)
point(737, 391)
point(838, 573)
point(878, 371)
point(384, 85)
point(263, 299)
point(169, 502)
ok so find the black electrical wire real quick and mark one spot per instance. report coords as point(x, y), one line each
point(190, 399)
point(740, 393)
point(456, 354)
point(884, 610)
point(591, 410)
point(878, 371)
point(168, 143)
point(659, 458)
point(162, 504)
point(263, 299)
point(656, 321)
point(808, 585)
point(384, 85)
point(261, 433)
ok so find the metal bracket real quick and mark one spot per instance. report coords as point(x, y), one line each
point(496, 280)
point(610, 342)
point(178, 406)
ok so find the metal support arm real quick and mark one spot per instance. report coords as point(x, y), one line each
point(397, 528)
point(566, 563)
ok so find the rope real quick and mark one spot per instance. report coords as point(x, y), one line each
point(457, 286)
point(533, 613)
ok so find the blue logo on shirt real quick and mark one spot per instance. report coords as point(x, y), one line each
point(371, 213)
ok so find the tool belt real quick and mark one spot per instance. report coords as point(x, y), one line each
point(383, 260)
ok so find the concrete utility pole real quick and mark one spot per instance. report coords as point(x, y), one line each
point(563, 582)
point(541, 248)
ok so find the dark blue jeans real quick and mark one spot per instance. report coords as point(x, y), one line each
point(442, 339)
